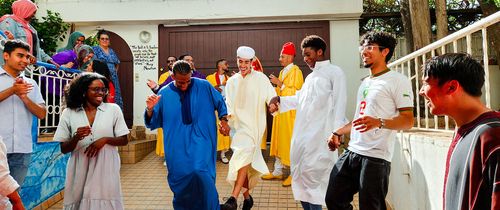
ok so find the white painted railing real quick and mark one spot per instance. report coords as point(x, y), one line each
point(52, 83)
point(411, 65)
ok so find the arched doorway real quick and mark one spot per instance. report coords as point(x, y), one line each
point(125, 75)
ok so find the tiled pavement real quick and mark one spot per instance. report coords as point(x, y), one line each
point(145, 186)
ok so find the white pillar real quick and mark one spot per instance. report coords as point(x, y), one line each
point(344, 42)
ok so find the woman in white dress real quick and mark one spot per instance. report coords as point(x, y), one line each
point(91, 130)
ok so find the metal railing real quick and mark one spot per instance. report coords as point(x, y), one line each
point(52, 82)
point(410, 65)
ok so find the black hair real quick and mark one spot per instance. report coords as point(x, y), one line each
point(101, 32)
point(218, 62)
point(382, 39)
point(315, 42)
point(76, 89)
point(456, 66)
point(171, 56)
point(101, 68)
point(12, 45)
point(181, 67)
point(182, 57)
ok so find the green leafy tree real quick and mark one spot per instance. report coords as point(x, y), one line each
point(51, 28)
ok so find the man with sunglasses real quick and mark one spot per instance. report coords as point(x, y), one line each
point(186, 57)
point(384, 105)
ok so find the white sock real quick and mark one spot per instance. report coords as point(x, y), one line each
point(278, 167)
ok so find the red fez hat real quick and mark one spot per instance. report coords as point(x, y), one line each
point(288, 49)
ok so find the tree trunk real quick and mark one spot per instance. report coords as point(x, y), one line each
point(488, 7)
point(441, 19)
point(405, 17)
point(420, 22)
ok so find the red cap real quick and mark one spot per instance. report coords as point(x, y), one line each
point(288, 49)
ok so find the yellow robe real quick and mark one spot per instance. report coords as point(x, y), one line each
point(281, 135)
point(223, 142)
point(159, 137)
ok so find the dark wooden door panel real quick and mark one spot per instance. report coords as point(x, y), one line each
point(125, 75)
point(209, 43)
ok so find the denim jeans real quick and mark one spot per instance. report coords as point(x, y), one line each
point(18, 165)
point(310, 206)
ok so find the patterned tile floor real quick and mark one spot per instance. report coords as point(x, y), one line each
point(144, 186)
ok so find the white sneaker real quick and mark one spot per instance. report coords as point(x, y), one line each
point(224, 159)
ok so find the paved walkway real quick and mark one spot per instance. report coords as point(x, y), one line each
point(145, 186)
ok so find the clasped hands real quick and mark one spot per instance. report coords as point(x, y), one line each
point(274, 104)
point(224, 128)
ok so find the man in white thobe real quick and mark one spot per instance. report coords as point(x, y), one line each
point(247, 94)
point(320, 106)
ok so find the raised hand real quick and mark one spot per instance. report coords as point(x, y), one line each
point(275, 80)
point(151, 84)
point(152, 100)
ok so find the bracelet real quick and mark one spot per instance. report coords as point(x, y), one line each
point(382, 123)
point(336, 134)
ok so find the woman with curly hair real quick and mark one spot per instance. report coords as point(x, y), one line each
point(91, 130)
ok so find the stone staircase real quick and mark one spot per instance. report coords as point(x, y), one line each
point(140, 144)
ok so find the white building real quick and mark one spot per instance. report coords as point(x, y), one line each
point(151, 28)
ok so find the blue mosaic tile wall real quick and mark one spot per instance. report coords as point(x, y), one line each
point(46, 173)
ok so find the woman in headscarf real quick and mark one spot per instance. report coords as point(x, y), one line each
point(91, 131)
point(85, 55)
point(103, 52)
point(75, 39)
point(18, 25)
point(68, 58)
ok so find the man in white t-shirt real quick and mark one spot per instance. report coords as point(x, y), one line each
point(384, 105)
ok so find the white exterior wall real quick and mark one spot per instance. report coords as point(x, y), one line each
point(199, 11)
point(130, 33)
point(417, 170)
point(129, 18)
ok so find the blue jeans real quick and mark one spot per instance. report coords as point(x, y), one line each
point(18, 165)
point(310, 206)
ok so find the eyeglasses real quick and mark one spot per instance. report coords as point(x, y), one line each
point(369, 47)
point(102, 90)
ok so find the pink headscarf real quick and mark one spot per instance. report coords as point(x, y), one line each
point(21, 10)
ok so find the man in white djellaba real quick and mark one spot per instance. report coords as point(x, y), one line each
point(320, 106)
point(247, 94)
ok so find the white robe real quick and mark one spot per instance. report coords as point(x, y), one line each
point(320, 106)
point(246, 99)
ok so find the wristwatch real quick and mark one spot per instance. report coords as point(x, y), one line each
point(382, 123)
point(336, 134)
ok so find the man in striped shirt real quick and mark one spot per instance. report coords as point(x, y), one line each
point(452, 86)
